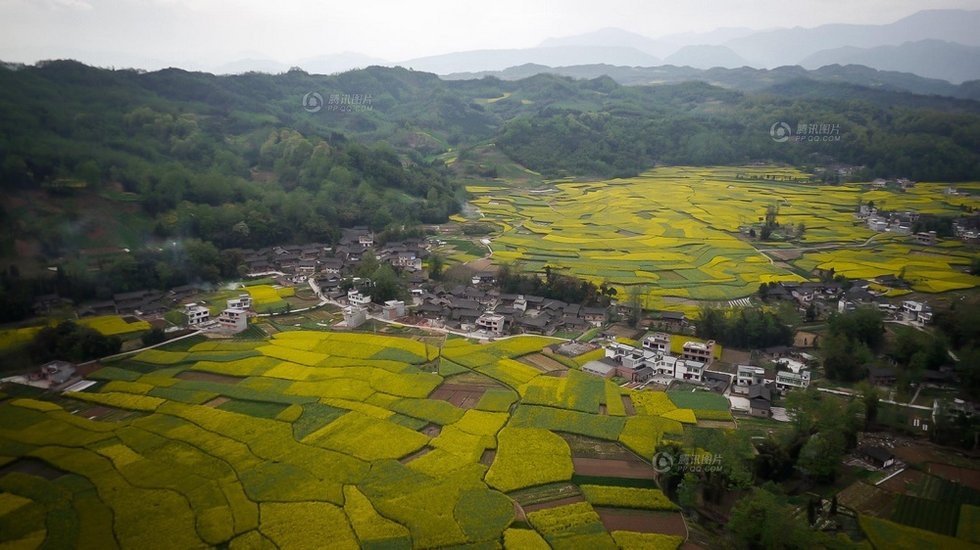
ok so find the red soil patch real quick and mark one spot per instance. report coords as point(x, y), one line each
point(630, 469)
point(463, 396)
point(964, 476)
point(903, 481)
point(642, 521)
point(217, 401)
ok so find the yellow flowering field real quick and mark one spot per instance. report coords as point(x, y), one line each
point(310, 444)
point(112, 325)
point(677, 231)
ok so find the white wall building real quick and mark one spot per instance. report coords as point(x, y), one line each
point(393, 309)
point(196, 314)
point(750, 375)
point(492, 323)
point(244, 301)
point(233, 319)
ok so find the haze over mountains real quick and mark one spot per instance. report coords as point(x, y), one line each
point(935, 44)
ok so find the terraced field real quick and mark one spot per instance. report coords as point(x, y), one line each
point(321, 439)
point(676, 232)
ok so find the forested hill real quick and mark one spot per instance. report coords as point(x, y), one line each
point(200, 153)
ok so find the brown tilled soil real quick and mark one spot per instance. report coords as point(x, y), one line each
point(642, 521)
point(631, 469)
point(463, 396)
point(217, 401)
point(964, 476)
point(543, 363)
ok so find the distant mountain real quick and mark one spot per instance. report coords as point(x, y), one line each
point(929, 58)
point(339, 62)
point(790, 46)
point(557, 56)
point(614, 37)
point(241, 66)
point(745, 79)
point(705, 57)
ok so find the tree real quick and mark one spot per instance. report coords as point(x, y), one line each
point(762, 520)
point(869, 399)
point(636, 293)
point(385, 285)
point(436, 265)
point(843, 358)
point(821, 455)
point(72, 342)
point(153, 337)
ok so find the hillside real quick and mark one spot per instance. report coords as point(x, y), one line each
point(241, 161)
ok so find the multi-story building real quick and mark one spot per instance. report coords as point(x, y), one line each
point(749, 375)
point(196, 314)
point(233, 319)
point(698, 351)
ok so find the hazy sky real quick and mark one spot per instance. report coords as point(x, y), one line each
point(198, 33)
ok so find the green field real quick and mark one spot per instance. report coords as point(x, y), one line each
point(675, 230)
point(307, 437)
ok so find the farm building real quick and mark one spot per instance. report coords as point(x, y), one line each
point(58, 372)
point(393, 309)
point(760, 401)
point(599, 368)
point(354, 316)
point(749, 375)
point(233, 319)
point(196, 314)
point(878, 457)
point(698, 351)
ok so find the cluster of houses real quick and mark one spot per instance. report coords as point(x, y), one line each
point(751, 382)
point(653, 358)
point(470, 308)
point(233, 319)
point(304, 260)
point(138, 302)
point(830, 296)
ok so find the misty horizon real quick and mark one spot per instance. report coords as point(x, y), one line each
point(211, 37)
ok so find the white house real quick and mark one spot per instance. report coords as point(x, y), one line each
point(244, 301)
point(698, 351)
point(233, 319)
point(491, 323)
point(658, 342)
point(196, 314)
point(355, 298)
point(354, 316)
point(792, 380)
point(750, 375)
point(393, 309)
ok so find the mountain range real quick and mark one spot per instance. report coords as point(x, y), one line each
point(935, 44)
